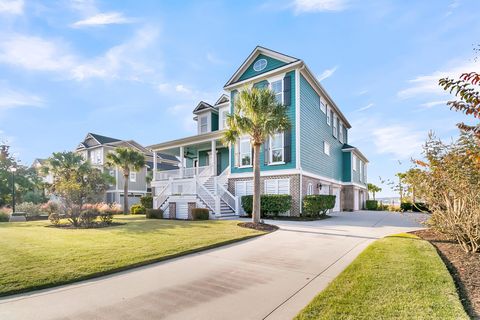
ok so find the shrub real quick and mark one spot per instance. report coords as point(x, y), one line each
point(406, 206)
point(106, 217)
point(154, 214)
point(420, 207)
point(270, 204)
point(317, 205)
point(88, 217)
point(200, 214)
point(50, 207)
point(147, 202)
point(4, 215)
point(31, 209)
point(137, 209)
point(371, 205)
point(54, 218)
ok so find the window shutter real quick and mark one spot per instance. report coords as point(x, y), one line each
point(287, 91)
point(266, 151)
point(284, 186)
point(287, 146)
point(271, 187)
point(237, 153)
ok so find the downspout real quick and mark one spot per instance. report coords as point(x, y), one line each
point(297, 130)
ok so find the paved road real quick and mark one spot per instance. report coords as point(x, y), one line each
point(270, 277)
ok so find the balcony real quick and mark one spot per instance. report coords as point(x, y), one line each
point(183, 173)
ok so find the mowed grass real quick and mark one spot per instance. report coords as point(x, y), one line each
point(34, 256)
point(398, 277)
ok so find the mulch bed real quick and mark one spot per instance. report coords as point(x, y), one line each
point(464, 268)
point(258, 226)
point(96, 226)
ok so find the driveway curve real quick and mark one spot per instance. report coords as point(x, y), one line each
point(269, 277)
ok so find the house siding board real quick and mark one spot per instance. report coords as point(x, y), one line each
point(291, 116)
point(271, 64)
point(203, 158)
point(347, 167)
point(314, 130)
point(139, 185)
point(223, 158)
point(214, 121)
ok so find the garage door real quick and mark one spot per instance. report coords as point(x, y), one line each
point(336, 193)
point(182, 210)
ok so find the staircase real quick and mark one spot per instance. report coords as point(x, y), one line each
point(225, 209)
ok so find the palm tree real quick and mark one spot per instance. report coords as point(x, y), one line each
point(373, 189)
point(126, 159)
point(257, 114)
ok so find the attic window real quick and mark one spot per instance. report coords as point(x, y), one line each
point(259, 65)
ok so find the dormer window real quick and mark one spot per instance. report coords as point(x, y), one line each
point(203, 124)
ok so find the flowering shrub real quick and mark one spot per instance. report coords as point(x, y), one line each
point(31, 209)
point(5, 214)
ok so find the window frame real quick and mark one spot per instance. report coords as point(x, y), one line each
point(354, 162)
point(132, 176)
point(323, 105)
point(329, 119)
point(225, 113)
point(241, 154)
point(310, 189)
point(200, 125)
point(340, 135)
point(335, 126)
point(271, 82)
point(271, 149)
point(261, 68)
point(326, 148)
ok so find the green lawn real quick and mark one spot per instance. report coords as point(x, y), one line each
point(398, 277)
point(35, 256)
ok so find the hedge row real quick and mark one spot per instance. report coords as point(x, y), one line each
point(271, 204)
point(317, 205)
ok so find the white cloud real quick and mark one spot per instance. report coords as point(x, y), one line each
point(11, 7)
point(10, 99)
point(303, 6)
point(434, 103)
point(428, 84)
point(123, 61)
point(399, 140)
point(182, 89)
point(214, 59)
point(103, 19)
point(183, 113)
point(327, 73)
point(368, 106)
point(35, 53)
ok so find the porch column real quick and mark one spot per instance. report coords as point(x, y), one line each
point(154, 166)
point(214, 157)
point(182, 160)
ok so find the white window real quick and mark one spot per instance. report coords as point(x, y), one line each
point(224, 118)
point(341, 133)
point(133, 177)
point(354, 164)
point(245, 152)
point(329, 114)
point(260, 64)
point(112, 173)
point(361, 170)
point(203, 124)
point(277, 186)
point(277, 87)
point(323, 105)
point(310, 189)
point(276, 148)
point(335, 126)
point(96, 156)
point(365, 172)
point(326, 148)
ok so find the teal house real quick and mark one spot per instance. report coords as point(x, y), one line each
point(312, 157)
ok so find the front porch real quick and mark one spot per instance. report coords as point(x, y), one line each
point(201, 180)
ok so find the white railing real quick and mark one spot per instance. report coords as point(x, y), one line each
point(223, 177)
point(161, 196)
point(206, 196)
point(227, 197)
point(183, 187)
point(181, 173)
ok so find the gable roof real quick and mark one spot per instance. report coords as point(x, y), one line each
point(223, 98)
point(202, 105)
point(102, 139)
point(348, 148)
point(253, 55)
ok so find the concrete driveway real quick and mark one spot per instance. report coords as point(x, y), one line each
point(270, 277)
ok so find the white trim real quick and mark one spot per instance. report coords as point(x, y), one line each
point(264, 75)
point(129, 191)
point(270, 149)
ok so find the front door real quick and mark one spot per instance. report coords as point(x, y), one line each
point(219, 163)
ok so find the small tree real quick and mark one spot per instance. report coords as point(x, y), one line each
point(127, 160)
point(373, 189)
point(75, 182)
point(257, 114)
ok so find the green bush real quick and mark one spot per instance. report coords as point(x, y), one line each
point(406, 206)
point(106, 217)
point(88, 217)
point(4, 215)
point(371, 205)
point(200, 214)
point(154, 214)
point(317, 205)
point(54, 218)
point(138, 209)
point(270, 204)
point(420, 207)
point(147, 202)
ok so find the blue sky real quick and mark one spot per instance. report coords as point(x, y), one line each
point(136, 69)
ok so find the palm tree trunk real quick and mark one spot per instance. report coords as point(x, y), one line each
point(256, 184)
point(125, 193)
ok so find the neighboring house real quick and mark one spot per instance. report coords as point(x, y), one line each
point(94, 148)
point(313, 157)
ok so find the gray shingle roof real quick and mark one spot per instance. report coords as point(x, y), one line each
point(103, 139)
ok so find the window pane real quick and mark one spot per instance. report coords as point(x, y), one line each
point(277, 155)
point(246, 161)
point(277, 141)
point(244, 146)
point(277, 86)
